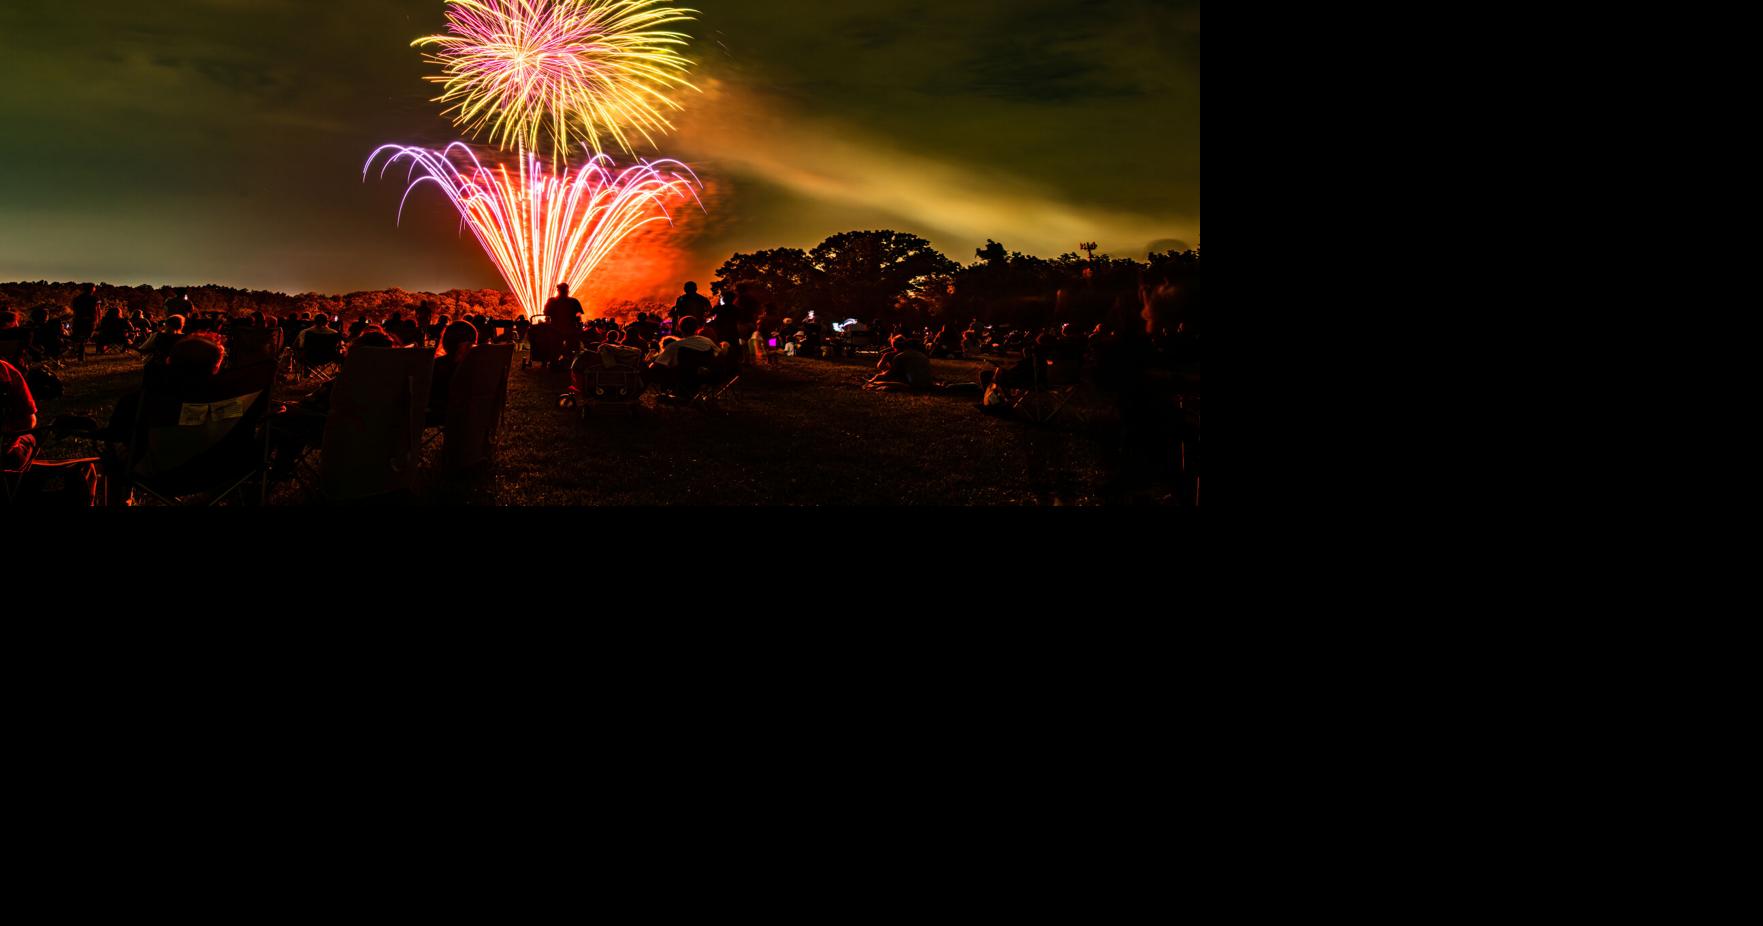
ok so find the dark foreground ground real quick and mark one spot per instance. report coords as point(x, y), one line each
point(802, 433)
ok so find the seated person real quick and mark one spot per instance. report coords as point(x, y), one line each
point(46, 341)
point(456, 342)
point(972, 342)
point(615, 355)
point(905, 367)
point(320, 400)
point(158, 346)
point(373, 336)
point(18, 413)
point(189, 366)
point(321, 326)
point(294, 326)
point(436, 327)
point(302, 426)
point(668, 371)
point(1028, 373)
point(887, 356)
point(1066, 352)
point(945, 343)
point(113, 331)
point(15, 342)
point(642, 331)
point(810, 340)
point(690, 338)
point(141, 332)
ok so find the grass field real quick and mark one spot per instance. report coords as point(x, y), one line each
point(803, 432)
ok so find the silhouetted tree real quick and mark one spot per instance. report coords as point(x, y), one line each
point(787, 274)
point(867, 272)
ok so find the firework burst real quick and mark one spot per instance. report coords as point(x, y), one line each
point(542, 228)
point(593, 70)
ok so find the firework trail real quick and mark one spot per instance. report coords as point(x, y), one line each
point(542, 228)
point(593, 69)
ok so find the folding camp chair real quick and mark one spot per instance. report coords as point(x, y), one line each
point(475, 401)
point(1077, 403)
point(37, 482)
point(321, 355)
point(610, 387)
point(202, 445)
point(593, 383)
point(12, 475)
point(1046, 401)
point(706, 380)
point(373, 434)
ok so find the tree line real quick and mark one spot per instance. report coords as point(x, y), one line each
point(866, 275)
point(22, 297)
point(899, 277)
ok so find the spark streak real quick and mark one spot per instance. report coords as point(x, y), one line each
point(542, 228)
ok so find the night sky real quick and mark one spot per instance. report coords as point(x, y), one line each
point(222, 141)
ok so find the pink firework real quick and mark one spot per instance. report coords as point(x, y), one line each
point(541, 228)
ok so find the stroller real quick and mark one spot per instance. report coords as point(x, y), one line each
point(601, 378)
point(546, 347)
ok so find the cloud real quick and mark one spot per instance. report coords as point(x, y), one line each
point(958, 206)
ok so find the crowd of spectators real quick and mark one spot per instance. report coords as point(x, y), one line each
point(1144, 355)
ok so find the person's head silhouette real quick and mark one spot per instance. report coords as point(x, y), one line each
point(458, 337)
point(692, 288)
point(563, 290)
point(195, 359)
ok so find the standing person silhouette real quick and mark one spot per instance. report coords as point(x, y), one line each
point(85, 317)
point(180, 304)
point(690, 304)
point(566, 313)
